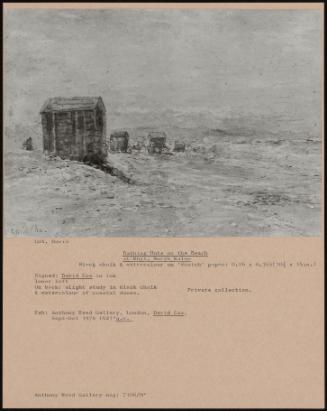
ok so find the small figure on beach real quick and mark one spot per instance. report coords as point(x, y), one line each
point(28, 144)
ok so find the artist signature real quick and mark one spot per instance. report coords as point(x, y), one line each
point(34, 228)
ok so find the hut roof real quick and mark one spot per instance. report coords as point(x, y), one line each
point(71, 104)
point(119, 134)
point(157, 134)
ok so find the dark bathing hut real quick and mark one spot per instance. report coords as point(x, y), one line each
point(75, 128)
point(119, 141)
point(156, 142)
point(179, 146)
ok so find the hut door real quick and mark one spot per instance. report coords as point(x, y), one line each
point(64, 134)
point(80, 133)
point(50, 144)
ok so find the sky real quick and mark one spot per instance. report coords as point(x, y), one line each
point(208, 63)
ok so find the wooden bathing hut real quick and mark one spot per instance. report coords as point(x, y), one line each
point(156, 142)
point(179, 146)
point(119, 141)
point(75, 128)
